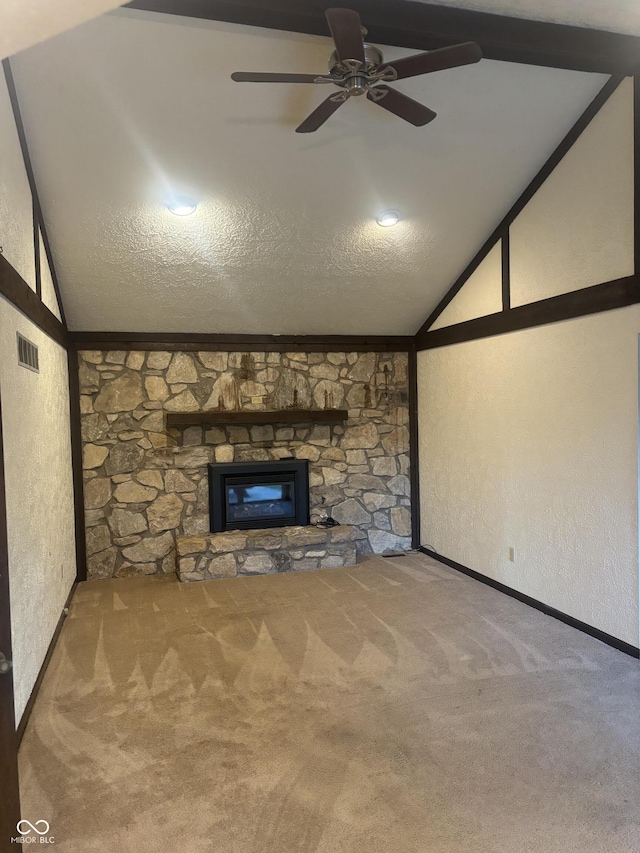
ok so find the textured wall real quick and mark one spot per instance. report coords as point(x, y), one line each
point(529, 440)
point(16, 213)
point(481, 294)
point(578, 228)
point(37, 457)
point(35, 420)
point(145, 484)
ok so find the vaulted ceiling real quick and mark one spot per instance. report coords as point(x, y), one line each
point(129, 108)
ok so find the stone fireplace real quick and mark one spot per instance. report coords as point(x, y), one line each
point(146, 482)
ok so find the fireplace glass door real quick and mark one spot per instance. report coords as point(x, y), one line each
point(246, 495)
point(253, 499)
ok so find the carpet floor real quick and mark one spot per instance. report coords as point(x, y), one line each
point(395, 707)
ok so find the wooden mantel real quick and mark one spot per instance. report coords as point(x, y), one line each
point(283, 416)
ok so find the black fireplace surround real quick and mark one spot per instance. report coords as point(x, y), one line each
point(249, 495)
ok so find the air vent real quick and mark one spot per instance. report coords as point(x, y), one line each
point(27, 354)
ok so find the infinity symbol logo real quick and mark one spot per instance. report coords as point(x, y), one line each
point(32, 826)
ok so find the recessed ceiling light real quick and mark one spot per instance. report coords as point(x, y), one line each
point(181, 205)
point(388, 218)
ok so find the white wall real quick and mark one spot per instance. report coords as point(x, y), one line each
point(16, 207)
point(577, 230)
point(530, 440)
point(37, 450)
point(480, 295)
point(38, 482)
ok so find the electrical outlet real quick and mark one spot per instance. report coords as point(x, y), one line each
point(512, 554)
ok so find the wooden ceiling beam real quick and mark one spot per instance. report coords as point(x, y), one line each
point(422, 26)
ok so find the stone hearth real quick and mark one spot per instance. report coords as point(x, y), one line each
point(258, 552)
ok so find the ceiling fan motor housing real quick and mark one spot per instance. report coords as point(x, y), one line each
point(355, 78)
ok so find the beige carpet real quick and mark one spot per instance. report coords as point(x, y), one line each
point(398, 707)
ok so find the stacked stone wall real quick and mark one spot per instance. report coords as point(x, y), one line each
point(146, 484)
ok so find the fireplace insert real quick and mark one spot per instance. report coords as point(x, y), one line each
point(245, 495)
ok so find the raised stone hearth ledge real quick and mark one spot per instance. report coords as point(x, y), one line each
point(266, 551)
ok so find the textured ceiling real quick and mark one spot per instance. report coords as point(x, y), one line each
point(125, 109)
point(622, 16)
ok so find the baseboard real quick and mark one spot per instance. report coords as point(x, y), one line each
point(24, 720)
point(610, 640)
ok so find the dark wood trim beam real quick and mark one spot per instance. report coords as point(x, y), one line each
point(609, 639)
point(591, 111)
point(36, 250)
point(506, 270)
point(38, 218)
point(424, 26)
point(17, 291)
point(76, 463)
point(176, 341)
point(636, 174)
point(10, 798)
point(414, 457)
point(566, 306)
point(54, 276)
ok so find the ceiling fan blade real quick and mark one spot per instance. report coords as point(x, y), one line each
point(268, 77)
point(346, 31)
point(319, 115)
point(436, 60)
point(402, 106)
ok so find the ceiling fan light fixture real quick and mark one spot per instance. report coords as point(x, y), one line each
point(181, 205)
point(388, 218)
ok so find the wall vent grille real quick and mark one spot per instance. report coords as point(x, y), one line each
point(28, 354)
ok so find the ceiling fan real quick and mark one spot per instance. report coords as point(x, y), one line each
point(358, 68)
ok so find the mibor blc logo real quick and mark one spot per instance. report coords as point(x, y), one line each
point(33, 833)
